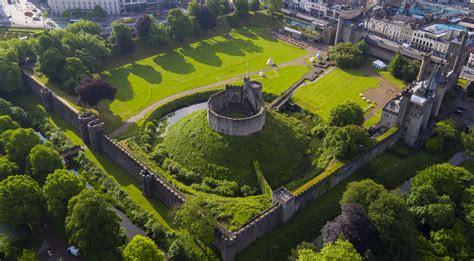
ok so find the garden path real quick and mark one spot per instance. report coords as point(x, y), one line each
point(135, 118)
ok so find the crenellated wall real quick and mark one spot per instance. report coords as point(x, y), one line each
point(90, 128)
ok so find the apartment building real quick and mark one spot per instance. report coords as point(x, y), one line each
point(112, 7)
point(397, 31)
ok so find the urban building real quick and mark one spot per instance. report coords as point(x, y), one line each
point(112, 7)
point(397, 31)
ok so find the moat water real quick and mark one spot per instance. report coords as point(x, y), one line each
point(171, 118)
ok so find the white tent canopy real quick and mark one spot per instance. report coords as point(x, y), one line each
point(379, 65)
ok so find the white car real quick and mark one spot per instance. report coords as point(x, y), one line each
point(73, 251)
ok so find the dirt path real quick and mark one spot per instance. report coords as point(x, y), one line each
point(380, 95)
point(135, 118)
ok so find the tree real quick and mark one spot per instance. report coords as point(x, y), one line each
point(430, 210)
point(9, 69)
point(354, 225)
point(346, 142)
point(179, 24)
point(468, 141)
point(51, 63)
point(16, 113)
point(274, 6)
point(143, 26)
point(121, 38)
point(142, 248)
point(203, 16)
point(395, 227)
point(59, 188)
point(362, 192)
point(446, 179)
point(92, 91)
point(192, 217)
point(158, 35)
point(346, 55)
point(7, 168)
point(215, 6)
point(42, 161)
point(21, 201)
point(74, 73)
point(446, 129)
point(340, 250)
point(6, 123)
point(241, 7)
point(403, 69)
point(99, 12)
point(395, 66)
point(254, 5)
point(346, 114)
point(84, 26)
point(28, 255)
point(7, 250)
point(18, 144)
point(92, 225)
point(92, 50)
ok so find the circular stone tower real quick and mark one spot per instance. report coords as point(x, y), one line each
point(238, 110)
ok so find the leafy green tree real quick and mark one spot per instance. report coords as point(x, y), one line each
point(92, 50)
point(346, 142)
point(18, 144)
point(42, 161)
point(21, 200)
point(429, 209)
point(6, 123)
point(203, 15)
point(274, 6)
point(184, 247)
point(92, 225)
point(468, 141)
point(28, 255)
point(7, 168)
point(158, 35)
point(215, 6)
point(395, 227)
point(24, 48)
point(241, 8)
point(16, 113)
point(179, 25)
point(395, 66)
point(51, 63)
point(121, 38)
point(346, 55)
point(254, 5)
point(99, 12)
point(74, 72)
point(346, 114)
point(142, 248)
point(143, 26)
point(59, 188)
point(193, 217)
point(446, 179)
point(9, 69)
point(340, 250)
point(7, 250)
point(402, 68)
point(448, 244)
point(362, 192)
point(84, 26)
point(447, 130)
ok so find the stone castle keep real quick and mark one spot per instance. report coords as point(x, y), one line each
point(238, 110)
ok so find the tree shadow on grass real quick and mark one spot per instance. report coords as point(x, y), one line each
point(146, 72)
point(174, 62)
point(119, 79)
point(203, 53)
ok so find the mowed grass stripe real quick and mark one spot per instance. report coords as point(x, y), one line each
point(336, 87)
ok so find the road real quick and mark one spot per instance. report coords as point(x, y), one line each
point(135, 118)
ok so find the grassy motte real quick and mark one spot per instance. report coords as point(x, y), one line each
point(279, 149)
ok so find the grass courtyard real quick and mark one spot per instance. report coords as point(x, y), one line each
point(216, 59)
point(334, 88)
point(7, 33)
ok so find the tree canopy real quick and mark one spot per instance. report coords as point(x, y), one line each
point(43, 160)
point(121, 38)
point(92, 91)
point(340, 250)
point(468, 141)
point(84, 26)
point(241, 8)
point(346, 55)
point(157, 36)
point(346, 114)
point(92, 225)
point(179, 24)
point(21, 200)
point(18, 143)
point(59, 188)
point(403, 69)
point(7, 123)
point(10, 71)
point(143, 26)
point(345, 142)
point(7, 168)
point(142, 248)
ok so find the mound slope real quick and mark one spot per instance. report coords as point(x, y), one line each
point(277, 148)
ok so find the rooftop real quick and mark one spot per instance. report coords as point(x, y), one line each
point(438, 29)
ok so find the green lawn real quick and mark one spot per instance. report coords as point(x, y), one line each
point(7, 33)
point(336, 87)
point(389, 77)
point(218, 58)
point(103, 161)
point(374, 119)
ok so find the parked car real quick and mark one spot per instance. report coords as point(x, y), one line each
point(73, 251)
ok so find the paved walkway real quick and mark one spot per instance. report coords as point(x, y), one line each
point(459, 158)
point(135, 118)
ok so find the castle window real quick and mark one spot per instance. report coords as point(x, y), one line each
point(405, 129)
